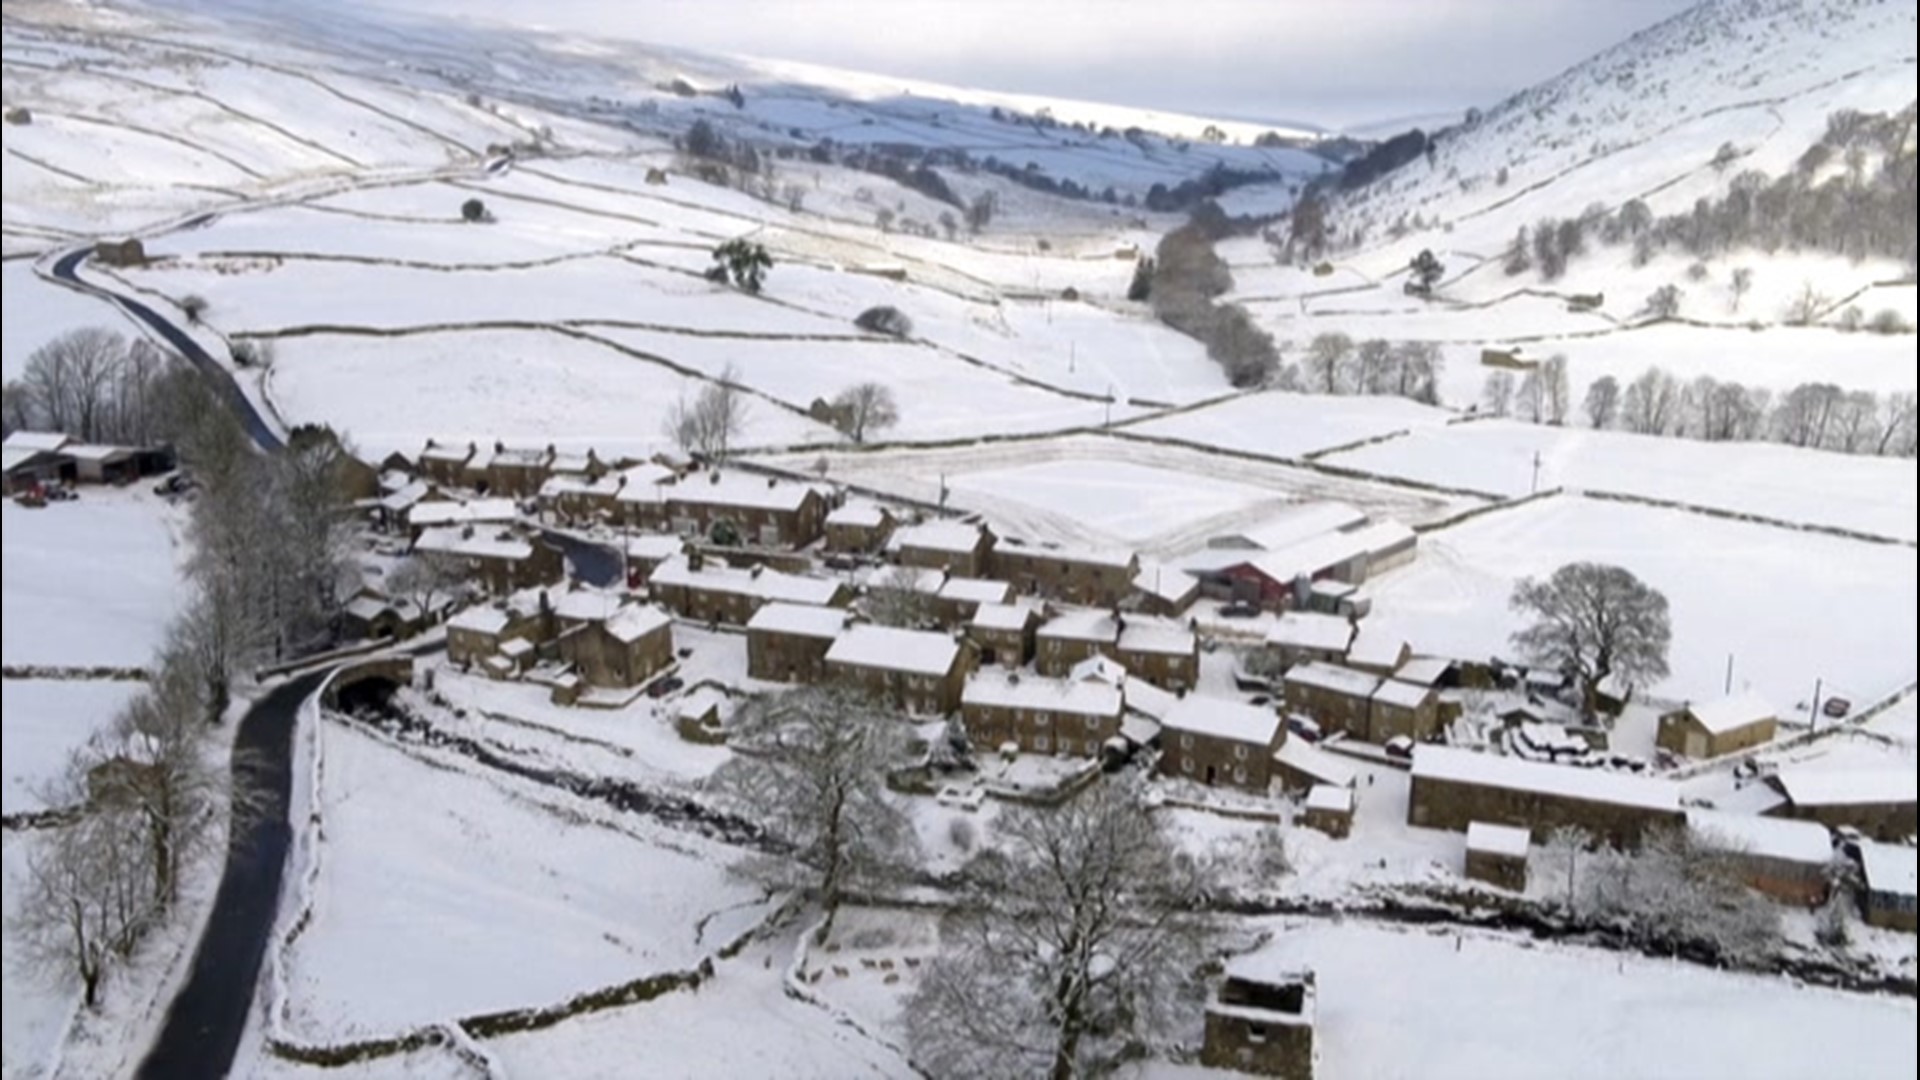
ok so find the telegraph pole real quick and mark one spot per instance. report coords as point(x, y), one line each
point(1729, 686)
point(1536, 472)
point(1813, 713)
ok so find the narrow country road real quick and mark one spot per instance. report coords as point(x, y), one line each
point(210, 1012)
point(66, 269)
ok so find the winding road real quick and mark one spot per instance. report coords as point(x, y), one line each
point(209, 1014)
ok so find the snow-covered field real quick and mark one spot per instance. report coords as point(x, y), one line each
point(1866, 494)
point(442, 895)
point(1472, 1006)
point(1291, 425)
point(89, 582)
point(38, 1005)
point(1790, 607)
point(36, 313)
point(44, 721)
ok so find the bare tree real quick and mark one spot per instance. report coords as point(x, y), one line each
point(903, 596)
point(1496, 394)
point(1375, 360)
point(1806, 307)
point(169, 784)
point(864, 408)
point(981, 210)
point(1805, 414)
point(708, 425)
point(1556, 396)
point(426, 579)
point(811, 762)
point(1663, 303)
point(1076, 940)
point(1329, 356)
point(1897, 425)
point(1417, 366)
point(1602, 404)
point(16, 408)
point(1738, 286)
point(1856, 422)
point(885, 319)
point(1651, 403)
point(73, 378)
point(1530, 400)
point(1594, 622)
point(1676, 892)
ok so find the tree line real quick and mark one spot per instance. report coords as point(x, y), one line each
point(268, 566)
point(1183, 285)
point(1816, 415)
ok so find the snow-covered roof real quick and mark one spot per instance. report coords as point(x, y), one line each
point(706, 699)
point(1757, 797)
point(1372, 645)
point(918, 652)
point(572, 461)
point(976, 591)
point(1222, 719)
point(1292, 525)
point(1165, 582)
point(1814, 786)
point(1011, 690)
point(578, 484)
point(404, 497)
point(1732, 713)
point(1103, 668)
point(1566, 781)
point(654, 547)
point(95, 452)
point(635, 621)
point(1328, 798)
point(646, 474)
point(1332, 590)
point(1310, 558)
point(1403, 695)
point(481, 619)
point(586, 605)
point(486, 543)
point(952, 537)
point(740, 490)
point(1107, 558)
point(366, 607)
point(521, 456)
point(805, 620)
point(14, 456)
point(1423, 671)
point(1139, 730)
point(1147, 699)
point(858, 514)
point(426, 515)
point(38, 442)
point(1332, 677)
point(1085, 625)
point(446, 452)
point(1152, 636)
point(1888, 868)
point(764, 584)
point(1001, 617)
point(1324, 767)
point(1771, 837)
point(516, 647)
point(1505, 840)
point(1311, 630)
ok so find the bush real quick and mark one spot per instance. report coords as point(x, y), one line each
point(1851, 320)
point(1889, 321)
point(250, 353)
point(885, 319)
point(194, 307)
point(1697, 272)
point(474, 211)
point(961, 833)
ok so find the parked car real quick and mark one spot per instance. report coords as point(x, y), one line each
point(1240, 609)
point(662, 687)
point(1305, 727)
point(61, 493)
point(1836, 707)
point(1400, 746)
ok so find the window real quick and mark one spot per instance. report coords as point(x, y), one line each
point(1041, 744)
point(1093, 723)
point(1239, 775)
point(1186, 742)
point(1240, 753)
point(1186, 765)
point(1256, 1033)
point(1093, 747)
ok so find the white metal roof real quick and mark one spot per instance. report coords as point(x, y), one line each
point(1771, 837)
point(1333, 677)
point(1222, 719)
point(804, 620)
point(1011, 690)
point(1513, 774)
point(1311, 630)
point(1323, 553)
point(1814, 786)
point(1732, 713)
point(890, 648)
point(1294, 524)
point(1494, 839)
point(95, 452)
point(36, 441)
point(952, 537)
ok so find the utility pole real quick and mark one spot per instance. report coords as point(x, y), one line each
point(1109, 422)
point(1813, 713)
point(1536, 472)
point(1729, 686)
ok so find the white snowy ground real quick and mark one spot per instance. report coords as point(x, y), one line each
point(88, 582)
point(36, 312)
point(1291, 425)
point(43, 722)
point(1867, 494)
point(1791, 607)
point(442, 894)
point(1399, 1003)
point(37, 1007)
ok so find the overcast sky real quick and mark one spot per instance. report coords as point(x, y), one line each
point(1331, 62)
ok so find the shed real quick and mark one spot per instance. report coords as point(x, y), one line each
point(1888, 875)
point(1497, 855)
point(1329, 809)
point(1710, 729)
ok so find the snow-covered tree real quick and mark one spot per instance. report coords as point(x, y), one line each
point(1602, 404)
point(1496, 394)
point(1328, 363)
point(1594, 622)
point(864, 408)
point(1075, 941)
point(707, 425)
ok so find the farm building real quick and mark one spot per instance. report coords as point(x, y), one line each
point(789, 642)
point(1067, 639)
point(1283, 578)
point(33, 459)
point(954, 546)
point(1878, 802)
point(1783, 858)
point(1329, 809)
point(858, 527)
point(915, 670)
point(1334, 697)
point(1888, 877)
point(1040, 715)
point(1215, 741)
point(1261, 1023)
point(1003, 633)
point(1497, 855)
point(1305, 637)
point(1093, 576)
point(1452, 788)
point(1713, 728)
point(694, 587)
